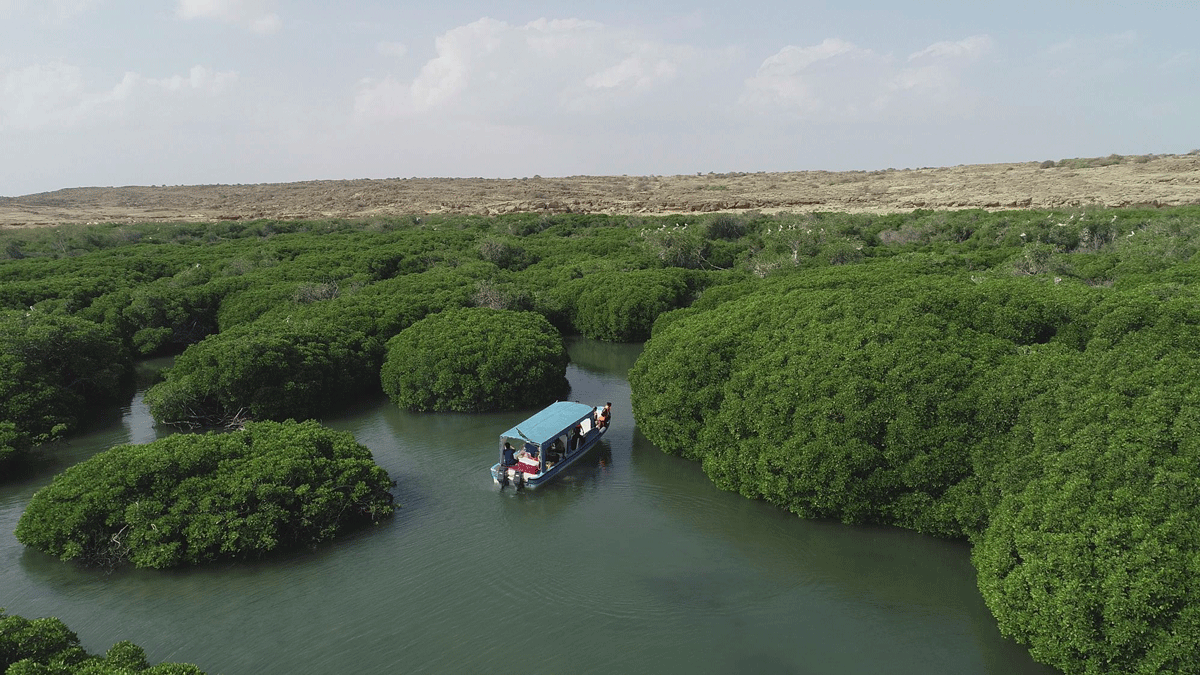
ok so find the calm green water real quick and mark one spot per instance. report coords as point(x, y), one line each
point(631, 563)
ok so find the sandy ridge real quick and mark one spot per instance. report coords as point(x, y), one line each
point(1168, 180)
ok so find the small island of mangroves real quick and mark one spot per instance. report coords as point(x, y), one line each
point(1024, 380)
point(189, 499)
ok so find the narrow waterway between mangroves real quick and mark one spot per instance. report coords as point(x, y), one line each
point(631, 563)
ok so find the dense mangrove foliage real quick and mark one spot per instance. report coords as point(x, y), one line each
point(47, 646)
point(477, 359)
point(1051, 422)
point(1021, 379)
point(189, 499)
point(51, 367)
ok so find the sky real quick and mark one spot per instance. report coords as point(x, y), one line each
point(186, 92)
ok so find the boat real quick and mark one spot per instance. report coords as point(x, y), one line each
point(545, 444)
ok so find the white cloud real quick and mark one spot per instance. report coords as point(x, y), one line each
point(253, 15)
point(838, 81)
point(791, 59)
point(939, 68)
point(635, 71)
point(827, 81)
point(48, 95)
point(56, 96)
point(459, 51)
point(967, 48)
point(199, 79)
point(493, 69)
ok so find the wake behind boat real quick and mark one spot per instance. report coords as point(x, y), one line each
point(539, 448)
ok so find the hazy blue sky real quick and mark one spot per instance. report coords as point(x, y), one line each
point(121, 92)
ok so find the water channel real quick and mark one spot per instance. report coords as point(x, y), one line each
point(632, 562)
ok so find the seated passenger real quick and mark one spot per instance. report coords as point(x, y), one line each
point(510, 455)
point(529, 456)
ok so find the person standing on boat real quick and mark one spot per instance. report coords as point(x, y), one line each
point(576, 435)
point(603, 417)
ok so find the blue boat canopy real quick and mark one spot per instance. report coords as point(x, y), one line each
point(550, 421)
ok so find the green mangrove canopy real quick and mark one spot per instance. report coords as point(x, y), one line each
point(476, 359)
point(1054, 425)
point(189, 499)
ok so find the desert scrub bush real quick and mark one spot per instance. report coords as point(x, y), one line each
point(47, 647)
point(189, 499)
point(476, 359)
point(1091, 162)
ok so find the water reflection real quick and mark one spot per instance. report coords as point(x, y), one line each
point(604, 358)
point(845, 575)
